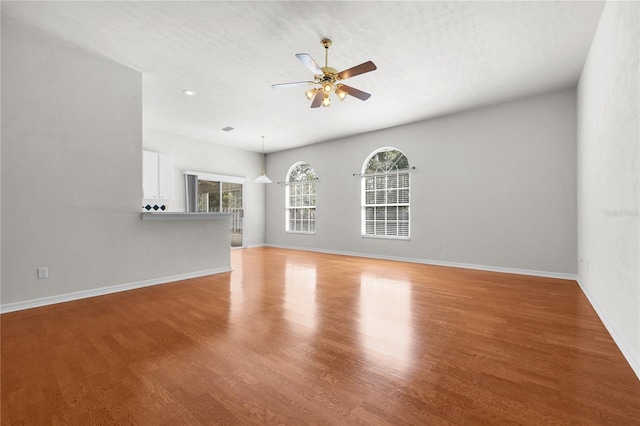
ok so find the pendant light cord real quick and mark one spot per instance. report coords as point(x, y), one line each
point(263, 160)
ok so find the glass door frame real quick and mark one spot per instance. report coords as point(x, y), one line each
point(226, 179)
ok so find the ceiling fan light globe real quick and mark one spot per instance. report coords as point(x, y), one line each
point(326, 101)
point(341, 94)
point(310, 93)
point(327, 87)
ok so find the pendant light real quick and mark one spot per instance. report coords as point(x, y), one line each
point(263, 177)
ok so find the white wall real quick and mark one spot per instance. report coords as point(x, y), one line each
point(609, 176)
point(71, 178)
point(203, 156)
point(495, 186)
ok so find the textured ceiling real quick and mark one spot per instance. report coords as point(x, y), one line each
point(433, 58)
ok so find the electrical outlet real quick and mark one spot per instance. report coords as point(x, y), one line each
point(439, 247)
point(43, 272)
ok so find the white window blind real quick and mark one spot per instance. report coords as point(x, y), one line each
point(301, 199)
point(386, 195)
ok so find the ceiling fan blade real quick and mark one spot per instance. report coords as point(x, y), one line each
point(357, 70)
point(363, 96)
point(308, 62)
point(317, 100)
point(287, 85)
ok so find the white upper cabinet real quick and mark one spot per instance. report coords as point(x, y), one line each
point(157, 176)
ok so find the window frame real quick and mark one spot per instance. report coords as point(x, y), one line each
point(401, 190)
point(309, 218)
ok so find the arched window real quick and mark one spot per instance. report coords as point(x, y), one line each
point(385, 194)
point(300, 199)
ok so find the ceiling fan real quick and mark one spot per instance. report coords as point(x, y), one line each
point(327, 80)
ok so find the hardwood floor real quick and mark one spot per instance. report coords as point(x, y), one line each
point(294, 337)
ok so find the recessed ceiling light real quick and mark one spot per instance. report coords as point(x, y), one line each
point(188, 92)
point(227, 129)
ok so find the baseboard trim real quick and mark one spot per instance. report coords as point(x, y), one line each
point(84, 294)
point(517, 271)
point(623, 344)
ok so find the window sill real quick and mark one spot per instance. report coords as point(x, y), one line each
point(384, 237)
point(300, 232)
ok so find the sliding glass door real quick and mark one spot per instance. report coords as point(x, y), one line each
point(223, 197)
point(218, 194)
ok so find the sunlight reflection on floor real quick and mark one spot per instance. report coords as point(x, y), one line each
point(386, 330)
point(300, 294)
